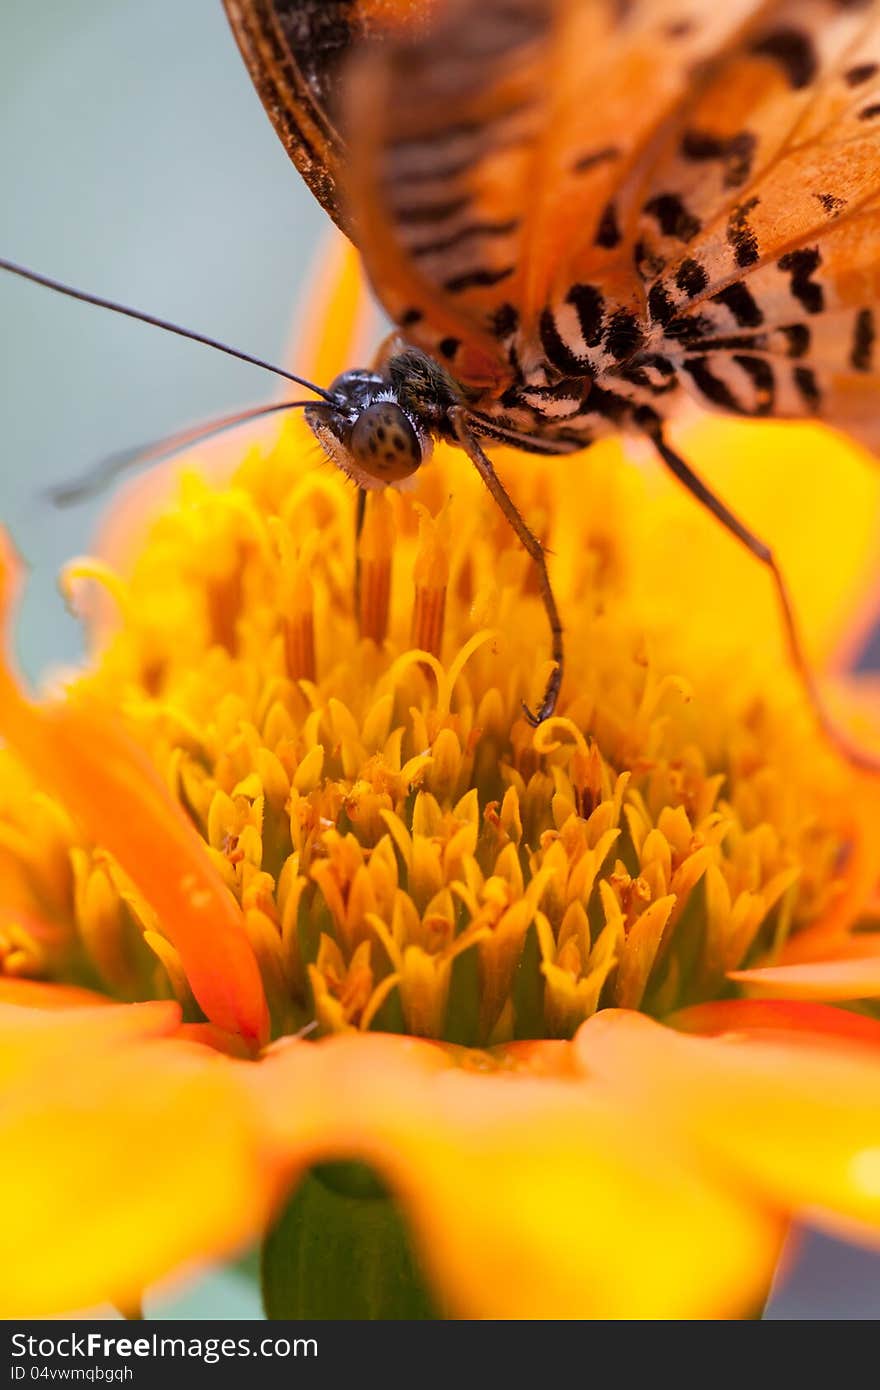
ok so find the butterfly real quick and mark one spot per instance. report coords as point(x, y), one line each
point(578, 211)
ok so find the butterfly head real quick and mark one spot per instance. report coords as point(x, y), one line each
point(379, 426)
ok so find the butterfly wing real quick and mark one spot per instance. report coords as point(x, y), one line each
point(295, 51)
point(714, 165)
point(759, 233)
point(487, 150)
point(485, 140)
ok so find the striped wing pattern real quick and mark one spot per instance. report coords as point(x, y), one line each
point(759, 241)
point(582, 205)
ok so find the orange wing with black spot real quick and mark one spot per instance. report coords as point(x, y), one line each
point(485, 138)
point(489, 150)
point(759, 235)
point(715, 167)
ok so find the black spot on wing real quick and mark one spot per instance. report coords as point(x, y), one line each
point(672, 217)
point(623, 335)
point(678, 29)
point(609, 404)
point(595, 157)
point(797, 337)
point(740, 234)
point(805, 381)
point(463, 234)
point(691, 278)
point(433, 173)
point(735, 152)
point(793, 51)
point(590, 308)
point(830, 203)
point(690, 328)
point(711, 386)
point(571, 391)
point(421, 214)
point(864, 336)
point(443, 135)
point(860, 73)
point(557, 351)
point(801, 264)
point(608, 233)
point(647, 262)
point(734, 342)
point(660, 364)
point(739, 299)
point(761, 373)
point(870, 113)
point(660, 305)
point(505, 320)
point(479, 278)
point(639, 376)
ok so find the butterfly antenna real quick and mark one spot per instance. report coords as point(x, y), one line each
point(860, 757)
point(164, 324)
point(97, 478)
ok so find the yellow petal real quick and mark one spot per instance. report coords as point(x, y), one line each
point(123, 1159)
point(29, 1036)
point(528, 1197)
point(816, 494)
point(797, 1119)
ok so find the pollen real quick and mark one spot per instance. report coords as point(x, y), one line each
point(340, 717)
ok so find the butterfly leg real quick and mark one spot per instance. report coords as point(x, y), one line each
point(698, 489)
point(534, 550)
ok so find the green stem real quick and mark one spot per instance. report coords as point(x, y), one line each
point(340, 1250)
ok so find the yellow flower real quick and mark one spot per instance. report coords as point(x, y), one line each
point(272, 812)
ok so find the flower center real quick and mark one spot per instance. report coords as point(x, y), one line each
point(343, 725)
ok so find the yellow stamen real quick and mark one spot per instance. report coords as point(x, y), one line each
point(431, 577)
point(385, 838)
point(374, 555)
point(296, 600)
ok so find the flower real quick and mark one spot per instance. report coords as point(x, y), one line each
point(288, 879)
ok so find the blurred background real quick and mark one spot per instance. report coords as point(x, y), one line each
point(137, 163)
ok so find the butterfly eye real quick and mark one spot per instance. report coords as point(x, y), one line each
point(384, 443)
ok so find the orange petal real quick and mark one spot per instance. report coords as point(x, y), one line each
point(331, 322)
point(528, 1196)
point(79, 753)
point(797, 1119)
point(857, 978)
point(232, 1044)
point(161, 1166)
point(776, 1015)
